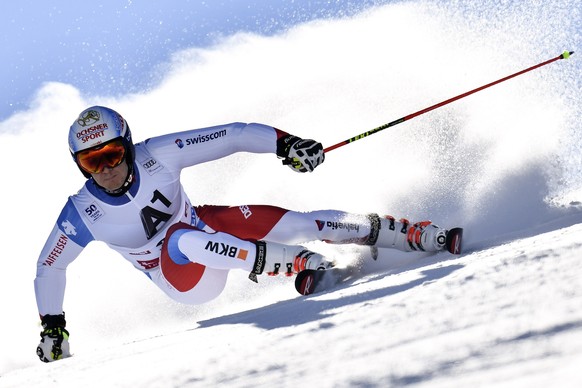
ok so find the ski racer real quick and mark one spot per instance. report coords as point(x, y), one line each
point(134, 202)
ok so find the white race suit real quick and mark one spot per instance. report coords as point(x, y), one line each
point(135, 223)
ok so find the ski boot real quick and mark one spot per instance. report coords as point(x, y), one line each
point(274, 258)
point(402, 235)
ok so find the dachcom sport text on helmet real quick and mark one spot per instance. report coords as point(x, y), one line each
point(97, 125)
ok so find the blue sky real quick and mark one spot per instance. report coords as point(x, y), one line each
point(113, 46)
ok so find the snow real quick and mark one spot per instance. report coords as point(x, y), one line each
point(508, 315)
point(504, 164)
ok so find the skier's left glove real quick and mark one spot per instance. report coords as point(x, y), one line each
point(301, 155)
point(54, 343)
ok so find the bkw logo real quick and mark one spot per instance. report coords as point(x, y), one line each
point(226, 250)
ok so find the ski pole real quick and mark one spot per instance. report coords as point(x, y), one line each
point(564, 55)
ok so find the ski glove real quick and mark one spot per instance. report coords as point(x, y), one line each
point(54, 343)
point(301, 155)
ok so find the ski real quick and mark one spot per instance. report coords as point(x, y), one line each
point(454, 240)
point(310, 281)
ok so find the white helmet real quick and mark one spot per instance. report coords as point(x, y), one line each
point(97, 125)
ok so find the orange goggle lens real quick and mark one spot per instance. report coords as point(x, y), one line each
point(94, 160)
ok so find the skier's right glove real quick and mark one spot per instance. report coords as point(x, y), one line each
point(54, 343)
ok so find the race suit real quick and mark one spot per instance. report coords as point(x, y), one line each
point(135, 223)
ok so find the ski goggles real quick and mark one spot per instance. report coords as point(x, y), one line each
point(95, 159)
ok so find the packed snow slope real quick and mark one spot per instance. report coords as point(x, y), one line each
point(508, 316)
point(505, 163)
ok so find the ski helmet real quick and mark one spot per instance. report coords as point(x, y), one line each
point(98, 125)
